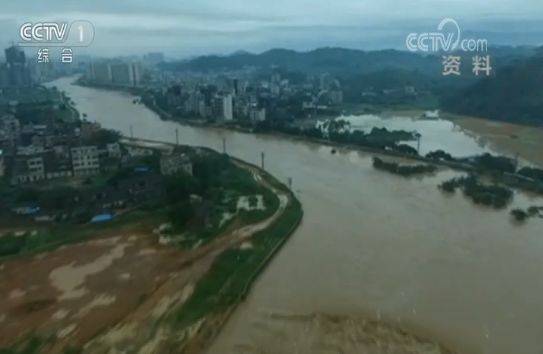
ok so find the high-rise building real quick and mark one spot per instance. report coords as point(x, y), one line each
point(100, 72)
point(120, 74)
point(136, 71)
point(227, 107)
point(18, 73)
point(125, 74)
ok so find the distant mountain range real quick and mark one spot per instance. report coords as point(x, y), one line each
point(331, 60)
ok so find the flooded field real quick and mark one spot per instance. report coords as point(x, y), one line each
point(372, 246)
point(510, 138)
point(437, 134)
point(77, 291)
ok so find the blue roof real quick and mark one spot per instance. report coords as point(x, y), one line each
point(140, 169)
point(27, 209)
point(102, 218)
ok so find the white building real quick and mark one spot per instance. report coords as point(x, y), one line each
point(227, 107)
point(85, 161)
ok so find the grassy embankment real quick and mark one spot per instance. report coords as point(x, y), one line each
point(235, 270)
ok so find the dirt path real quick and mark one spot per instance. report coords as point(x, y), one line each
point(142, 331)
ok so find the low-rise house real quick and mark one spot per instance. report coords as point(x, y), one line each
point(28, 169)
point(85, 161)
point(114, 150)
point(175, 162)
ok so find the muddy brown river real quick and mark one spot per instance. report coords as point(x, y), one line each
point(371, 246)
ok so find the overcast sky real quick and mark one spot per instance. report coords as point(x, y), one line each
point(193, 27)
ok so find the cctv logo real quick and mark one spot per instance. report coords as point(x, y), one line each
point(443, 40)
point(44, 32)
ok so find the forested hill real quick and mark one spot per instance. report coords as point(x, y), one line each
point(332, 60)
point(513, 94)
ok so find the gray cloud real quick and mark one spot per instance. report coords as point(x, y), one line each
point(183, 28)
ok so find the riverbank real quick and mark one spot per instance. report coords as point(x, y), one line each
point(511, 139)
point(511, 179)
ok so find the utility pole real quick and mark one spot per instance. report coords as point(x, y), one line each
point(262, 156)
point(290, 183)
point(177, 136)
point(224, 145)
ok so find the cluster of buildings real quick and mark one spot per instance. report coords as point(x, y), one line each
point(39, 152)
point(68, 155)
point(254, 99)
point(49, 150)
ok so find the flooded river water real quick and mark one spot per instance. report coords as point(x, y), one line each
point(372, 245)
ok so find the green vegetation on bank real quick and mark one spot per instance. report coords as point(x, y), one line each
point(338, 131)
point(220, 183)
point(402, 170)
point(234, 271)
point(490, 195)
point(522, 215)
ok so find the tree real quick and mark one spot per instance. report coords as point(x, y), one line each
point(181, 213)
point(180, 187)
